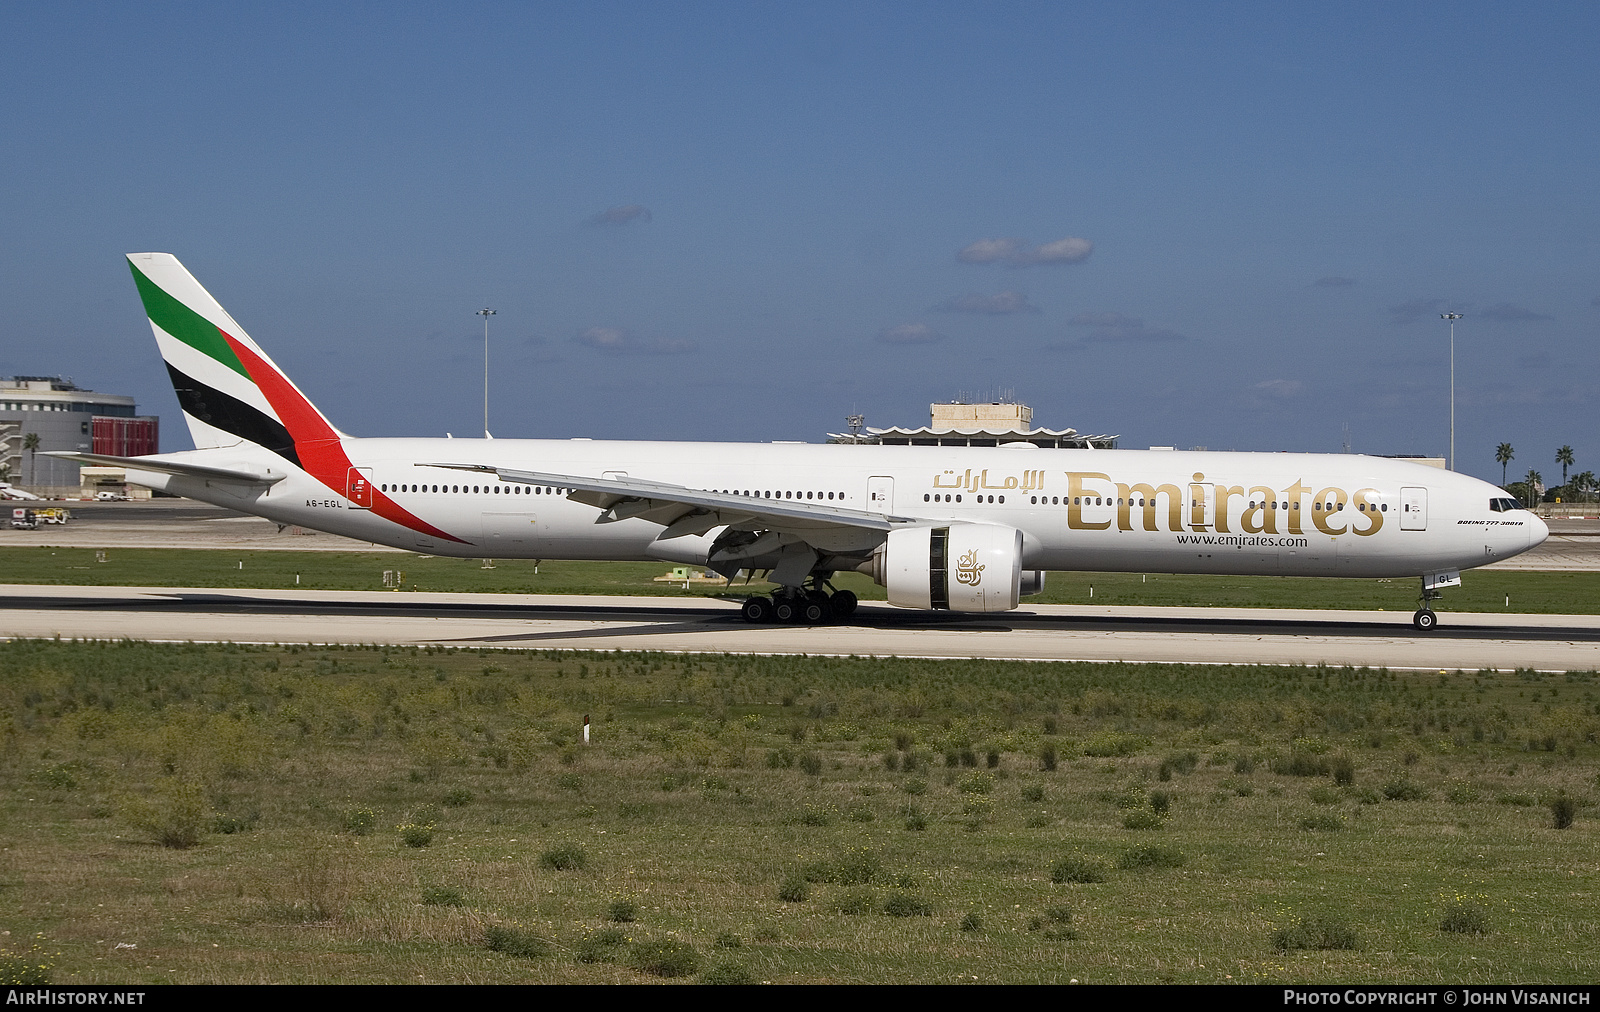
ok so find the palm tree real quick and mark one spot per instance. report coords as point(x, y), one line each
point(30, 442)
point(1584, 483)
point(1564, 458)
point(1503, 456)
point(1533, 480)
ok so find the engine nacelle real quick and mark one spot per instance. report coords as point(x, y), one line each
point(962, 567)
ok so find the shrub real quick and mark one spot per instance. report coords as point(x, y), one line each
point(1033, 793)
point(916, 822)
point(811, 764)
point(360, 821)
point(603, 946)
point(570, 782)
point(226, 825)
point(727, 972)
point(971, 922)
point(906, 905)
point(515, 941)
point(991, 759)
point(1324, 822)
point(458, 798)
point(1142, 818)
point(857, 901)
point(176, 817)
point(1325, 796)
point(779, 759)
point(1344, 770)
point(861, 813)
point(566, 857)
point(817, 815)
point(1404, 789)
point(1300, 764)
point(1563, 809)
point(1462, 794)
point(857, 867)
point(1463, 917)
point(414, 834)
point(728, 940)
point(891, 761)
point(1244, 764)
point(1047, 758)
point(976, 783)
point(1078, 869)
point(915, 787)
point(1316, 933)
point(664, 958)
point(442, 896)
point(622, 912)
point(1160, 802)
point(795, 889)
point(969, 757)
point(1037, 820)
point(29, 967)
point(1150, 856)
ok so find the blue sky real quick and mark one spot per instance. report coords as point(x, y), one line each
point(749, 220)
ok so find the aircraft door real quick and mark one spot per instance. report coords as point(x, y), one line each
point(1202, 506)
point(358, 488)
point(1413, 509)
point(880, 494)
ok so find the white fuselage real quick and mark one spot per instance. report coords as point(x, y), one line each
point(1095, 510)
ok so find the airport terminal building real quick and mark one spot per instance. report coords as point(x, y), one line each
point(65, 417)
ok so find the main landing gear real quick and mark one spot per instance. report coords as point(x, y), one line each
point(795, 605)
point(1424, 619)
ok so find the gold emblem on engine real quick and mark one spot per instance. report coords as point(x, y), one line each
point(968, 571)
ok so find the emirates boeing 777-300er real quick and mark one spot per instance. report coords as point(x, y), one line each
point(966, 529)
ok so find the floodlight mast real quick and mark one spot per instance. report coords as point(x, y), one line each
point(486, 313)
point(1452, 317)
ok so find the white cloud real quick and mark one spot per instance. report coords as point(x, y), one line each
point(621, 215)
point(1279, 389)
point(620, 342)
point(1018, 253)
point(1118, 328)
point(1507, 312)
point(999, 304)
point(1416, 310)
point(910, 333)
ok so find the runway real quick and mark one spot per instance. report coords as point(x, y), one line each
point(1039, 633)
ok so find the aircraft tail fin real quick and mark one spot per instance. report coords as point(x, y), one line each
point(229, 389)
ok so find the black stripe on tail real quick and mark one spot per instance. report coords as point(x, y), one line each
point(230, 414)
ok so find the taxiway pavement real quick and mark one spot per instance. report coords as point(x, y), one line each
point(1039, 633)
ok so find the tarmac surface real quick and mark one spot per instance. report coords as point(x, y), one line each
point(1036, 632)
point(1039, 633)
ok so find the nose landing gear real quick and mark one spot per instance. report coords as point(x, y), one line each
point(1424, 618)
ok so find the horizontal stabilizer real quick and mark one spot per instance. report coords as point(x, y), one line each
point(167, 465)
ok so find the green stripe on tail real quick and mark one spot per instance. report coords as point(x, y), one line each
point(184, 323)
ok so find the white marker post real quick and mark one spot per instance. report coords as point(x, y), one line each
point(586, 729)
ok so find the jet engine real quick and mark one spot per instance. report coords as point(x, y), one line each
point(962, 567)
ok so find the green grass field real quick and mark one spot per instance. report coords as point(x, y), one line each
point(1576, 593)
point(233, 814)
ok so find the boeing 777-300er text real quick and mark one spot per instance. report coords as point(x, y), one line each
point(967, 529)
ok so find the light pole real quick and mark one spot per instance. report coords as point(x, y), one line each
point(486, 313)
point(1452, 317)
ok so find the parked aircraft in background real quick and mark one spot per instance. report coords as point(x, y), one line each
point(959, 528)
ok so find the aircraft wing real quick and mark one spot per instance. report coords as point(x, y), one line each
point(161, 465)
point(687, 510)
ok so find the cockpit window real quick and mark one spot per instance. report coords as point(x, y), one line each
point(1503, 505)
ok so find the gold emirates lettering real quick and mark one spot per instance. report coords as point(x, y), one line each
point(1264, 510)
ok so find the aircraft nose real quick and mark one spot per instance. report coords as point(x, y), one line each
point(1538, 531)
